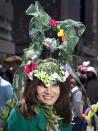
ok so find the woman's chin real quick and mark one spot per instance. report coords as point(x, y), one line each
point(50, 103)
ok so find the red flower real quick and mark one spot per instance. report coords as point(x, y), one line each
point(29, 67)
point(53, 22)
point(34, 65)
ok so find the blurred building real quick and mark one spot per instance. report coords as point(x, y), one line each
point(71, 9)
point(87, 12)
point(91, 22)
point(7, 45)
point(90, 45)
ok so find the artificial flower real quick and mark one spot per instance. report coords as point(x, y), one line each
point(30, 53)
point(45, 79)
point(66, 75)
point(55, 76)
point(29, 67)
point(58, 26)
point(50, 43)
point(30, 75)
point(60, 33)
point(43, 76)
point(47, 41)
point(53, 22)
point(34, 65)
point(64, 38)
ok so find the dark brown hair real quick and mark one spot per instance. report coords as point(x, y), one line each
point(62, 105)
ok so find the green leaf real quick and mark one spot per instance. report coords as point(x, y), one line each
point(36, 109)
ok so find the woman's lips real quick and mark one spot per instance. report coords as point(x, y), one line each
point(47, 97)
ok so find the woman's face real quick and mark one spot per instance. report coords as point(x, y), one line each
point(48, 95)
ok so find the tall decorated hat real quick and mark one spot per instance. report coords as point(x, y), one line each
point(48, 58)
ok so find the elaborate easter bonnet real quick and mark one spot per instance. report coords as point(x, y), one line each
point(48, 58)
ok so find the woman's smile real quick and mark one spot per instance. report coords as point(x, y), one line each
point(47, 97)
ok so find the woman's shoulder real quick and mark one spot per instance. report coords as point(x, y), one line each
point(15, 121)
point(15, 113)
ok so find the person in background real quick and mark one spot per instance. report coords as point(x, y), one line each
point(6, 94)
point(83, 68)
point(92, 85)
point(6, 89)
point(77, 103)
point(91, 89)
point(8, 75)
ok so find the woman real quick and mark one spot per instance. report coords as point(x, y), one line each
point(33, 113)
point(45, 105)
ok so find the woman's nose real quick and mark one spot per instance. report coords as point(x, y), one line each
point(48, 90)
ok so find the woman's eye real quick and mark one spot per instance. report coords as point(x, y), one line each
point(54, 85)
point(42, 84)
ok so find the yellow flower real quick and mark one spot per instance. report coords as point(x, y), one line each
point(43, 76)
point(45, 79)
point(61, 33)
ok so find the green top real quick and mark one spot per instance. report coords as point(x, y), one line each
point(16, 122)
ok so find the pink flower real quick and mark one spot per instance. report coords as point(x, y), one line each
point(29, 67)
point(53, 22)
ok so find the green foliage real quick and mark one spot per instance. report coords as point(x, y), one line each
point(51, 117)
point(5, 112)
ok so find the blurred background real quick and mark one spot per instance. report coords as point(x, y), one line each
point(14, 28)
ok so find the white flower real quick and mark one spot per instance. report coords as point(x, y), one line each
point(29, 62)
point(55, 76)
point(65, 76)
point(30, 75)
